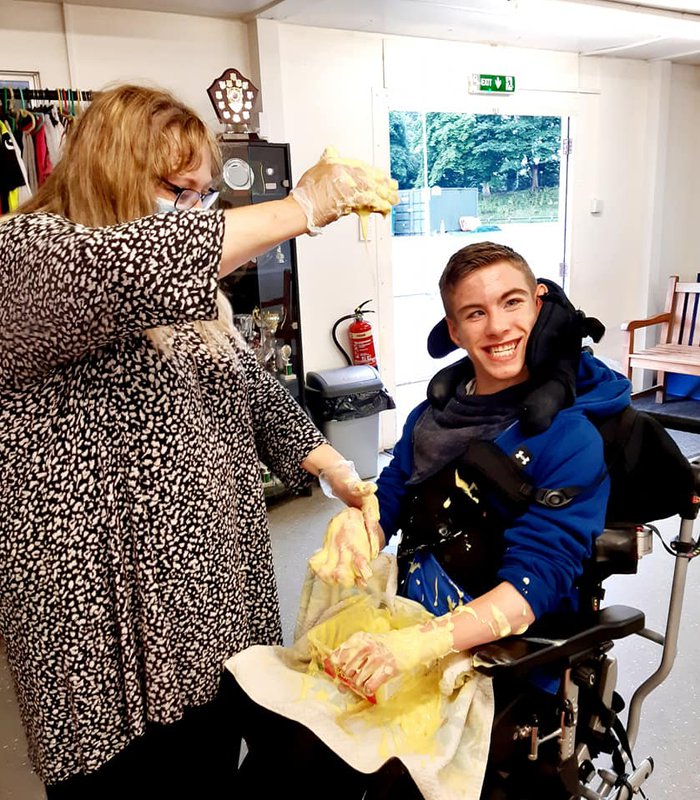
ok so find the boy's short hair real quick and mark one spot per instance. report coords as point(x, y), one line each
point(476, 256)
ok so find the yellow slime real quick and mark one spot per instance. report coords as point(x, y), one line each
point(383, 198)
point(410, 708)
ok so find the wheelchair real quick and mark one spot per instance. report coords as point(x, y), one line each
point(551, 746)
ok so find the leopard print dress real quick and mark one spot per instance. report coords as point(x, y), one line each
point(135, 555)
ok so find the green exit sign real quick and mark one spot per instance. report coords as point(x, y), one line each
point(501, 84)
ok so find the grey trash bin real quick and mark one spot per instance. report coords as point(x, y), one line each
point(345, 404)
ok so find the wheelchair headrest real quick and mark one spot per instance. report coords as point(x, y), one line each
point(556, 319)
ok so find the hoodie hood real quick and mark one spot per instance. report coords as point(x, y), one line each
point(600, 391)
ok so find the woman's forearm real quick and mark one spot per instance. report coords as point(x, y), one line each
point(255, 229)
point(320, 458)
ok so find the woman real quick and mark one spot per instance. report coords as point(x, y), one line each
point(134, 551)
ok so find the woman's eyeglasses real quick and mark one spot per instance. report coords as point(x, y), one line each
point(188, 198)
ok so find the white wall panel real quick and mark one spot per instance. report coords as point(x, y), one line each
point(32, 39)
point(173, 51)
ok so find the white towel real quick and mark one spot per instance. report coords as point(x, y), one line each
point(447, 765)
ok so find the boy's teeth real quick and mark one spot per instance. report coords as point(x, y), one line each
point(503, 349)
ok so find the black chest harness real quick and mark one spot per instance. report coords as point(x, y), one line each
point(461, 513)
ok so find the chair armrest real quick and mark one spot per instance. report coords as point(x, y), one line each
point(516, 656)
point(636, 324)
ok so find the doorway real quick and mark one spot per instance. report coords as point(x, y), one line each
point(467, 178)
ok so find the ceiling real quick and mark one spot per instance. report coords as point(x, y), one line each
point(642, 29)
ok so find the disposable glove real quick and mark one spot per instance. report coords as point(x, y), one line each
point(338, 186)
point(340, 480)
point(368, 660)
point(347, 550)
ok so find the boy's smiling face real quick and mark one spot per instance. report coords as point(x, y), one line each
point(492, 311)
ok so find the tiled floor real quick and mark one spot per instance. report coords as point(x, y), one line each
point(670, 725)
point(17, 782)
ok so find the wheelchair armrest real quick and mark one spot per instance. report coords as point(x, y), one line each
point(616, 551)
point(518, 655)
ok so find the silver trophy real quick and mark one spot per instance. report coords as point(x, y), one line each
point(268, 320)
point(244, 324)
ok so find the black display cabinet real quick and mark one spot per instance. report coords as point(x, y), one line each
point(266, 288)
point(264, 293)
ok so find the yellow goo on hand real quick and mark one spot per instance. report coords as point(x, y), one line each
point(346, 552)
point(411, 707)
point(380, 198)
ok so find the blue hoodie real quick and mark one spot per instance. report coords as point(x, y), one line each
point(545, 547)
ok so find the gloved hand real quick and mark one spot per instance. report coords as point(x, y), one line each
point(368, 660)
point(348, 549)
point(338, 186)
point(340, 480)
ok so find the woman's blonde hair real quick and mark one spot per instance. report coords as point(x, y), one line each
point(128, 140)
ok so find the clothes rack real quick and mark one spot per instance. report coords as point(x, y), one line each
point(50, 95)
point(33, 128)
point(14, 98)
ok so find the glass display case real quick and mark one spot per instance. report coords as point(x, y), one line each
point(264, 292)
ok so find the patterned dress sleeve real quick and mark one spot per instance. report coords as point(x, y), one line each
point(66, 289)
point(284, 435)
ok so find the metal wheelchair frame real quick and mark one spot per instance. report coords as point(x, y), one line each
point(517, 657)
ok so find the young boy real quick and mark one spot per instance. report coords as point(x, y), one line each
point(485, 569)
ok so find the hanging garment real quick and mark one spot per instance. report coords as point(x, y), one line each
point(44, 167)
point(11, 174)
point(29, 158)
point(53, 131)
point(24, 192)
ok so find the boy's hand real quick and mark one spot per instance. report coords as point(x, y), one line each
point(368, 660)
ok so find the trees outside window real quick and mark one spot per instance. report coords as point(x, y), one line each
point(497, 154)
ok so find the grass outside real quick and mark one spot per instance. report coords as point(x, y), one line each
point(520, 206)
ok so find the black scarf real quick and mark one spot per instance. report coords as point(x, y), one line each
point(442, 431)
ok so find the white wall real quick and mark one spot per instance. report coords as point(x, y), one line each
point(638, 155)
point(634, 123)
point(177, 52)
point(31, 40)
point(101, 46)
point(327, 82)
point(609, 252)
point(680, 236)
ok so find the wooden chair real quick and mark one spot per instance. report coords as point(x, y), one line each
point(678, 348)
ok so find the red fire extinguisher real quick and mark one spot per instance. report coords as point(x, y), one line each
point(361, 341)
